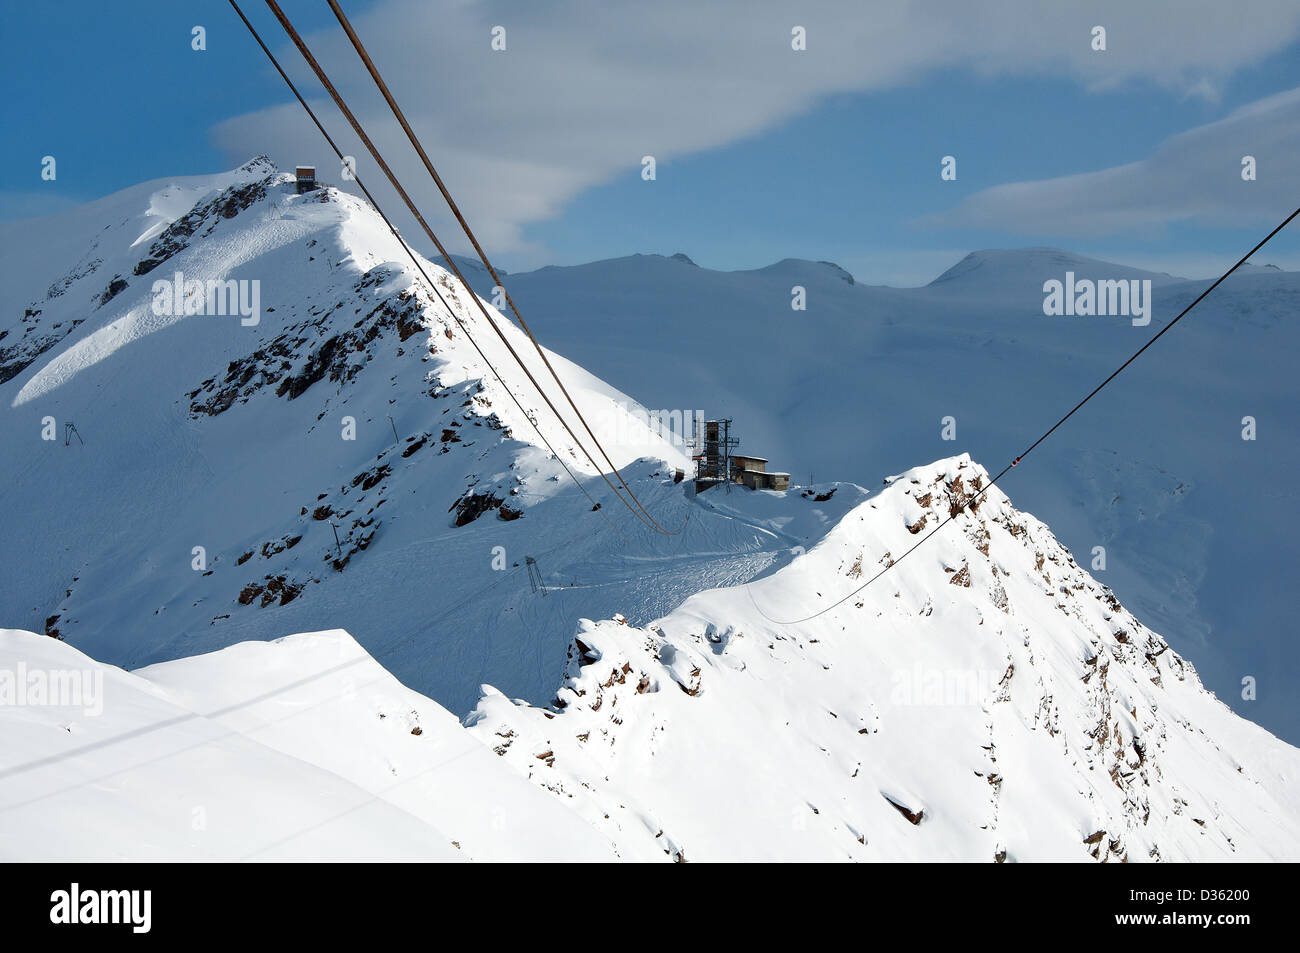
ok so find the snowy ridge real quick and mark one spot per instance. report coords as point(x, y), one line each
point(204, 431)
point(989, 268)
point(985, 700)
point(299, 749)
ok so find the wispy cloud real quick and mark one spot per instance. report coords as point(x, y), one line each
point(585, 89)
point(1193, 177)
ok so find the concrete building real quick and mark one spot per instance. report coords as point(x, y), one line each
point(715, 463)
point(752, 471)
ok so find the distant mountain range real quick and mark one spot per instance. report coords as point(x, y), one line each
point(1197, 532)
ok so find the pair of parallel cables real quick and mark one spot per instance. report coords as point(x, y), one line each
point(635, 506)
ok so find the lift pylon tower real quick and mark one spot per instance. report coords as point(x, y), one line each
point(725, 446)
point(534, 575)
point(713, 461)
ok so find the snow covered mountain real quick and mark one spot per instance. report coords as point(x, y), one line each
point(1191, 516)
point(351, 407)
point(331, 453)
point(989, 702)
point(986, 701)
point(300, 749)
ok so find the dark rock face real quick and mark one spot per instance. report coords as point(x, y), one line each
point(176, 236)
point(338, 357)
point(372, 478)
point(276, 589)
point(14, 360)
point(115, 288)
point(473, 505)
point(33, 342)
point(317, 365)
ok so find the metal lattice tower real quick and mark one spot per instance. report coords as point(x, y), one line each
point(534, 575)
point(725, 446)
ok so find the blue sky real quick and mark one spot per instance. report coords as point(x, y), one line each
point(761, 155)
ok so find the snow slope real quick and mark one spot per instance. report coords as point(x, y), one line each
point(300, 749)
point(987, 700)
point(1194, 520)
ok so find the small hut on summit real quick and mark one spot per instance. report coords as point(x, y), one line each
point(306, 176)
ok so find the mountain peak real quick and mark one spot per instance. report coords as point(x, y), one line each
point(997, 265)
point(258, 165)
point(808, 268)
point(991, 650)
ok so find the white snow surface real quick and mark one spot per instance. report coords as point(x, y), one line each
point(298, 749)
point(1025, 716)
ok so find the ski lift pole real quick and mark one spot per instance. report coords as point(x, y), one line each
point(534, 575)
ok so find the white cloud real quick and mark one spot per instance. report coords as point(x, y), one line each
point(1192, 177)
point(585, 89)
